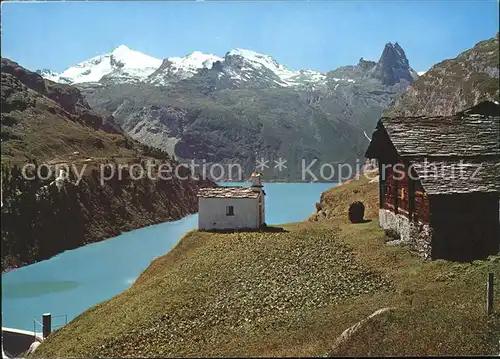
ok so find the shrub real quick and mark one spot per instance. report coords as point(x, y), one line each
point(356, 212)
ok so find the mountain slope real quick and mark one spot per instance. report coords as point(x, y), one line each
point(32, 107)
point(455, 84)
point(248, 107)
point(232, 126)
point(48, 126)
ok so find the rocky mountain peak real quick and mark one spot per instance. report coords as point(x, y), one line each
point(239, 57)
point(29, 79)
point(121, 49)
point(454, 84)
point(393, 66)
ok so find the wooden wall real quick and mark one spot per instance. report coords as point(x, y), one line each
point(403, 195)
point(389, 190)
point(421, 204)
point(403, 181)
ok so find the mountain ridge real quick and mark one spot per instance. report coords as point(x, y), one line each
point(104, 68)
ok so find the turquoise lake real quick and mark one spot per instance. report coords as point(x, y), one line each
point(75, 280)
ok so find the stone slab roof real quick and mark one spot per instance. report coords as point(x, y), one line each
point(458, 176)
point(459, 135)
point(446, 151)
point(227, 192)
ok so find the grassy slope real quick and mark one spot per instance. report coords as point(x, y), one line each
point(292, 294)
point(55, 138)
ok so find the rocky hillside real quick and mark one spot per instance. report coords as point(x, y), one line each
point(455, 84)
point(49, 126)
point(246, 106)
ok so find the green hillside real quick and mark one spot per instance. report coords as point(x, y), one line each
point(292, 292)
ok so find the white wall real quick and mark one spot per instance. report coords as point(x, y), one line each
point(212, 213)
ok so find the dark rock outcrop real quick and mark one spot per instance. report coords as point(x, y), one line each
point(393, 66)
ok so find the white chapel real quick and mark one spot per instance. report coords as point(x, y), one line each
point(232, 207)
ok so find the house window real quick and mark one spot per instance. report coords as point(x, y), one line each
point(229, 211)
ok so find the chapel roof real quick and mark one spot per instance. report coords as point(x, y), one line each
point(228, 192)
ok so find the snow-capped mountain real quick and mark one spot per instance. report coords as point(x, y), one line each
point(121, 65)
point(245, 65)
point(174, 69)
point(239, 66)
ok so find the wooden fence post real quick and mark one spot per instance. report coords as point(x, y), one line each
point(46, 325)
point(489, 296)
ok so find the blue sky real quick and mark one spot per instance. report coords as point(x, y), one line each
point(317, 35)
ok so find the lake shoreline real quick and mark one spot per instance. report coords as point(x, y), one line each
point(153, 222)
point(106, 268)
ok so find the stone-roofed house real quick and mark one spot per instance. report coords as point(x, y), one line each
point(440, 181)
point(226, 208)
